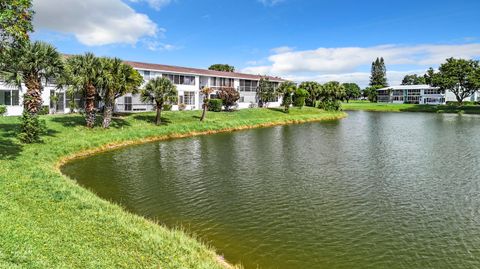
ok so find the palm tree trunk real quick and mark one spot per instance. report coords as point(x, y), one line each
point(90, 106)
point(107, 113)
point(204, 112)
point(33, 98)
point(158, 118)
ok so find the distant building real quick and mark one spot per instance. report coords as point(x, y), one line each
point(418, 94)
point(189, 82)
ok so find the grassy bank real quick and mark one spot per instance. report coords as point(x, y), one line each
point(48, 221)
point(387, 107)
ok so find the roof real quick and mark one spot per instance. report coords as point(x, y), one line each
point(198, 71)
point(409, 87)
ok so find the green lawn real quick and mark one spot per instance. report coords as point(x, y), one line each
point(48, 221)
point(388, 107)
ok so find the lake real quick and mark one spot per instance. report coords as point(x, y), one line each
point(374, 190)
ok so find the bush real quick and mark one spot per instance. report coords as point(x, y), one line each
point(215, 105)
point(167, 107)
point(229, 97)
point(31, 128)
point(465, 103)
point(182, 107)
point(45, 110)
point(299, 97)
point(3, 110)
point(329, 105)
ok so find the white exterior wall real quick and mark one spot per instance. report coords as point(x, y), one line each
point(17, 110)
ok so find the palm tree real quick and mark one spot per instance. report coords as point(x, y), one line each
point(287, 89)
point(31, 63)
point(206, 97)
point(161, 91)
point(86, 72)
point(119, 79)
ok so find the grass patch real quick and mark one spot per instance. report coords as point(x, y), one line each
point(48, 221)
point(388, 107)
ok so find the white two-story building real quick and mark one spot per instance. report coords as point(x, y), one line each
point(419, 94)
point(189, 82)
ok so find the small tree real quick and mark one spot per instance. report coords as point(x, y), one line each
point(371, 93)
point(286, 89)
point(352, 91)
point(206, 99)
point(265, 92)
point(313, 88)
point(331, 95)
point(462, 77)
point(229, 97)
point(54, 100)
point(160, 91)
point(222, 67)
point(15, 22)
point(299, 97)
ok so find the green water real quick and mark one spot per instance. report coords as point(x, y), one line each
point(374, 190)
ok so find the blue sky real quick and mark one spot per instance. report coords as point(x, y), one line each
point(295, 39)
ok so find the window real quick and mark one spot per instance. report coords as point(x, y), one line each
point(431, 91)
point(189, 98)
point(248, 85)
point(180, 79)
point(146, 75)
point(9, 97)
point(127, 103)
point(221, 82)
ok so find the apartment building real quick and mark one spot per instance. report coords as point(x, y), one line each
point(418, 94)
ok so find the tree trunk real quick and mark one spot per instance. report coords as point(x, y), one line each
point(107, 113)
point(158, 118)
point(33, 98)
point(204, 112)
point(90, 106)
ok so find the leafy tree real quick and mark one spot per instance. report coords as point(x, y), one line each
point(31, 63)
point(313, 88)
point(86, 73)
point(265, 92)
point(286, 89)
point(229, 97)
point(206, 92)
point(161, 91)
point(330, 95)
point(413, 80)
point(378, 75)
point(299, 97)
point(460, 76)
point(352, 91)
point(119, 79)
point(222, 67)
point(15, 22)
point(371, 93)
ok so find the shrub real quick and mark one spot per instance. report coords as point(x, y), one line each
point(465, 103)
point(229, 97)
point(45, 110)
point(167, 107)
point(182, 107)
point(215, 105)
point(299, 97)
point(329, 105)
point(3, 110)
point(31, 128)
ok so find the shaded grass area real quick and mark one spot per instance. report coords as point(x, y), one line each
point(388, 107)
point(48, 221)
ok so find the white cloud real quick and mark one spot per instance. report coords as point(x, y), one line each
point(270, 3)
point(94, 22)
point(283, 49)
point(155, 45)
point(354, 62)
point(155, 4)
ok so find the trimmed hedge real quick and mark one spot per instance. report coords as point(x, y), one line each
point(215, 105)
point(465, 103)
point(3, 110)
